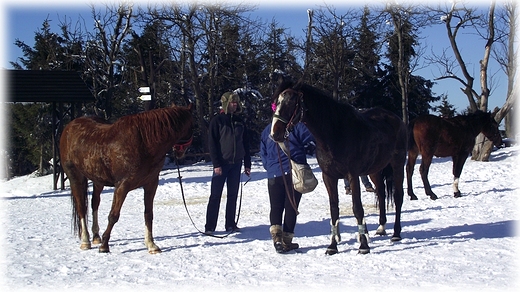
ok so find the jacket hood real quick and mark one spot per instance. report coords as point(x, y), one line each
point(227, 98)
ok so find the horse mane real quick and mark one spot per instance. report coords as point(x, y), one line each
point(157, 125)
point(470, 118)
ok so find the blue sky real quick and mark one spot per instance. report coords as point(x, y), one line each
point(22, 19)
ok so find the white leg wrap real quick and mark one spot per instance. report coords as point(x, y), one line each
point(362, 230)
point(456, 185)
point(334, 231)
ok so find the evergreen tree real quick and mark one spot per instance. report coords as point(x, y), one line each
point(366, 86)
point(445, 109)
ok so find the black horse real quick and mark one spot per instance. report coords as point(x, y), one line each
point(431, 135)
point(349, 143)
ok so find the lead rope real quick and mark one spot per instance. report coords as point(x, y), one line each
point(290, 193)
point(188, 212)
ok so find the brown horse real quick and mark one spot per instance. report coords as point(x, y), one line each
point(127, 154)
point(431, 135)
point(348, 144)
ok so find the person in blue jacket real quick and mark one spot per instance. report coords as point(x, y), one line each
point(301, 142)
point(228, 148)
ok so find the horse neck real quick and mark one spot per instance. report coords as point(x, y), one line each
point(162, 128)
point(322, 115)
point(475, 124)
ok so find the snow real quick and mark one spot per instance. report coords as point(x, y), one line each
point(453, 244)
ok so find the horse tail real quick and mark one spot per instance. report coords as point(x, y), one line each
point(411, 139)
point(76, 222)
point(388, 178)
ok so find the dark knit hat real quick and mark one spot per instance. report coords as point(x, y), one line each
point(227, 98)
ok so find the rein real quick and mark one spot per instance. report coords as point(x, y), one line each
point(188, 212)
point(290, 193)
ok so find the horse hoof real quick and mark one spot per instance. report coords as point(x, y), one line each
point(395, 238)
point(363, 248)
point(104, 249)
point(85, 246)
point(155, 251)
point(331, 251)
point(413, 198)
point(96, 240)
point(433, 197)
point(457, 195)
point(380, 232)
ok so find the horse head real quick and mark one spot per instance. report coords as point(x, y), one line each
point(180, 147)
point(490, 130)
point(289, 112)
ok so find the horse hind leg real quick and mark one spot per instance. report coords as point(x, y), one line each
point(149, 194)
point(96, 199)
point(78, 187)
point(410, 165)
point(377, 178)
point(424, 169)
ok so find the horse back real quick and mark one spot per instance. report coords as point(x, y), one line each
point(438, 136)
point(93, 148)
point(384, 140)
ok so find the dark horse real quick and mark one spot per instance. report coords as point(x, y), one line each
point(127, 154)
point(349, 143)
point(431, 135)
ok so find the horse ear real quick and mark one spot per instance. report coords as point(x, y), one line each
point(298, 84)
point(191, 107)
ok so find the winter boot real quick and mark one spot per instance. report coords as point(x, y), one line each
point(276, 234)
point(287, 242)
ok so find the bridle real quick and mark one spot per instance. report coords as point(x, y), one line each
point(297, 114)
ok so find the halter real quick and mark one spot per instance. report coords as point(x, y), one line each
point(296, 116)
point(182, 145)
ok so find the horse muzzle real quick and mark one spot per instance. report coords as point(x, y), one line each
point(278, 130)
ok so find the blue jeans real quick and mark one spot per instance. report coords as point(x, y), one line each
point(364, 180)
point(231, 177)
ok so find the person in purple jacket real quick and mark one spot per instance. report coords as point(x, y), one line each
point(301, 142)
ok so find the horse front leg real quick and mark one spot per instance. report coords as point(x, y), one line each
point(149, 194)
point(359, 213)
point(113, 216)
point(458, 164)
point(424, 169)
point(96, 199)
point(332, 189)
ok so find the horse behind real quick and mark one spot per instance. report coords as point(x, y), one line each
point(349, 143)
point(127, 154)
point(431, 135)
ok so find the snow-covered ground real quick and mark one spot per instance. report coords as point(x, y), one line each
point(469, 243)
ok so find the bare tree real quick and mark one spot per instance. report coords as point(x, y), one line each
point(457, 17)
point(104, 53)
point(332, 49)
point(505, 54)
point(406, 20)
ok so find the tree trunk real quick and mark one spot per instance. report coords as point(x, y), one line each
point(482, 149)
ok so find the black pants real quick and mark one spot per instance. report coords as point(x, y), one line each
point(279, 200)
point(231, 177)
